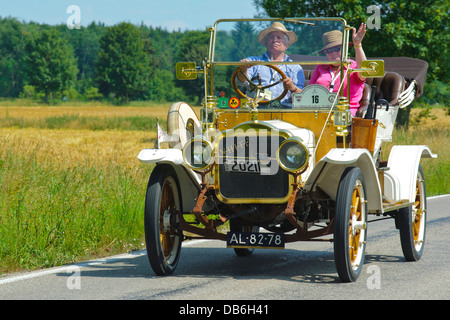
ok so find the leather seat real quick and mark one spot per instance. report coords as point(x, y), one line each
point(389, 88)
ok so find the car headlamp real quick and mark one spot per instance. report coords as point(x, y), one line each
point(292, 155)
point(198, 154)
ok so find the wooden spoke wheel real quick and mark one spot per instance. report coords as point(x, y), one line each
point(412, 222)
point(350, 229)
point(162, 205)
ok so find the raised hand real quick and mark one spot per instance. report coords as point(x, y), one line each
point(358, 36)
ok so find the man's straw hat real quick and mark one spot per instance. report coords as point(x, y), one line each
point(277, 26)
point(331, 39)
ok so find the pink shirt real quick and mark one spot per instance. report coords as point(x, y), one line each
point(323, 75)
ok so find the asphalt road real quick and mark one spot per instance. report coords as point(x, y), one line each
point(303, 271)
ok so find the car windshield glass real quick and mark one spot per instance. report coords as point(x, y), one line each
point(291, 46)
point(236, 40)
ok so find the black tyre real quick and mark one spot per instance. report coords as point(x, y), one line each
point(350, 223)
point(162, 205)
point(412, 222)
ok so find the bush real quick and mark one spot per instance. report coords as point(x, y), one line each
point(436, 92)
point(92, 93)
point(28, 92)
point(70, 94)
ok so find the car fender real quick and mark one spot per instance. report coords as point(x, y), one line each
point(328, 171)
point(174, 156)
point(189, 181)
point(182, 124)
point(404, 163)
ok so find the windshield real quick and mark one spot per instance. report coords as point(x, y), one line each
point(238, 39)
point(257, 55)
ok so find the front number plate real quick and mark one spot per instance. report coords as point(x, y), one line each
point(243, 166)
point(255, 240)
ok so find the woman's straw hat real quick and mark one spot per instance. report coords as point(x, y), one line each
point(277, 26)
point(331, 39)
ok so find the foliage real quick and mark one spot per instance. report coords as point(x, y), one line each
point(413, 29)
point(436, 92)
point(244, 37)
point(196, 53)
point(162, 87)
point(86, 44)
point(11, 57)
point(51, 64)
point(124, 66)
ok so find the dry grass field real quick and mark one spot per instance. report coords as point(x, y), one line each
point(71, 193)
point(72, 188)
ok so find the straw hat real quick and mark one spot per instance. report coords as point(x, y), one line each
point(331, 39)
point(277, 26)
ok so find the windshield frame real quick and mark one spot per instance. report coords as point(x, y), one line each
point(345, 40)
point(210, 63)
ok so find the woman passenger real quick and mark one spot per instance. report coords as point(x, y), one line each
point(329, 75)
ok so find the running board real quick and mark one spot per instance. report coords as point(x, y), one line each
point(393, 206)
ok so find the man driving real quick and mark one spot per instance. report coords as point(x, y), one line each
point(276, 39)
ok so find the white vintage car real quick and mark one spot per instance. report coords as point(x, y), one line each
point(258, 170)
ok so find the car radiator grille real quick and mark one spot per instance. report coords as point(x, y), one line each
point(269, 181)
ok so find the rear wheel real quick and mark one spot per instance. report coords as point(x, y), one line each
point(162, 205)
point(412, 222)
point(350, 225)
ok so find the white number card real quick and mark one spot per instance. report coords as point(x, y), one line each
point(313, 97)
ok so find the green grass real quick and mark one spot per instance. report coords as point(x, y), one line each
point(52, 215)
point(436, 171)
point(140, 123)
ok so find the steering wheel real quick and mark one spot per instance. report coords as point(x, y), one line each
point(258, 86)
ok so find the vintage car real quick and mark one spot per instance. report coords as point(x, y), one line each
point(260, 171)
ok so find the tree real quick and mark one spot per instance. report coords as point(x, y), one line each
point(193, 48)
point(11, 57)
point(245, 41)
point(416, 29)
point(124, 66)
point(51, 64)
point(162, 87)
point(86, 43)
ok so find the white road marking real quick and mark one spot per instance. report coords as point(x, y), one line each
point(64, 269)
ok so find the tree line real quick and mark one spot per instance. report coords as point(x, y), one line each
point(135, 62)
point(122, 62)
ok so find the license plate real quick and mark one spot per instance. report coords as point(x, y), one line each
point(243, 166)
point(255, 240)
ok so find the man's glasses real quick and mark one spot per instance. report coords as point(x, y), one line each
point(331, 50)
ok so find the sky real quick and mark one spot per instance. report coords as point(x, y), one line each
point(167, 14)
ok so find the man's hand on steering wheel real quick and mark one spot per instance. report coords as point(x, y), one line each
point(241, 74)
point(289, 85)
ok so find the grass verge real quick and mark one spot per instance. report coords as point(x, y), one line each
point(56, 212)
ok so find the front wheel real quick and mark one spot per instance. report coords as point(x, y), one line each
point(162, 205)
point(412, 221)
point(350, 225)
